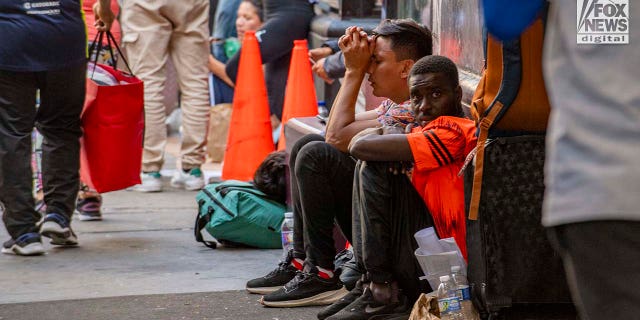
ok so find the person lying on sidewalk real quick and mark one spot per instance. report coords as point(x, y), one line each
point(391, 207)
point(322, 172)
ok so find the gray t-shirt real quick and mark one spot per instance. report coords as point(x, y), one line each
point(593, 142)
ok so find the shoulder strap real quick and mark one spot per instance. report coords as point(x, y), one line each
point(511, 76)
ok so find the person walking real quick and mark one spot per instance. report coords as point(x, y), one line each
point(60, 76)
point(153, 31)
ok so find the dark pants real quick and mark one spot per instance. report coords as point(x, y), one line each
point(602, 263)
point(321, 184)
point(58, 120)
point(390, 211)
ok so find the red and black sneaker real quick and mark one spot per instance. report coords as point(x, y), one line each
point(306, 289)
point(275, 279)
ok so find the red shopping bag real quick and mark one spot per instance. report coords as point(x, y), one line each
point(113, 125)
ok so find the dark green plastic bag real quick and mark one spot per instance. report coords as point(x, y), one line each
point(235, 212)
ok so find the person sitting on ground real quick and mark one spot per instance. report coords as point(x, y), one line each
point(391, 207)
point(322, 172)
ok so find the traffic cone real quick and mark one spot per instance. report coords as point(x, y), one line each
point(250, 139)
point(300, 95)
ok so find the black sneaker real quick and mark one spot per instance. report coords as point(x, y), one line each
point(365, 308)
point(88, 209)
point(306, 289)
point(57, 227)
point(350, 297)
point(28, 244)
point(275, 279)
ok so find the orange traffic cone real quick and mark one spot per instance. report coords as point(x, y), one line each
point(250, 139)
point(300, 96)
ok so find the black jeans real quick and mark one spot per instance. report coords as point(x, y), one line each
point(389, 211)
point(58, 120)
point(602, 263)
point(321, 184)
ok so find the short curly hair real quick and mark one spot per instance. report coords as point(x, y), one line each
point(437, 64)
point(271, 178)
point(444, 66)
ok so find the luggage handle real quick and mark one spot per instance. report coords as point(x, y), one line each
point(97, 41)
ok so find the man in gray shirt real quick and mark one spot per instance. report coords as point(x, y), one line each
point(592, 175)
point(592, 201)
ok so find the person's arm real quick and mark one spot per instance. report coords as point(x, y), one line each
point(386, 147)
point(342, 124)
point(318, 53)
point(103, 14)
point(331, 44)
point(334, 65)
point(217, 68)
point(319, 69)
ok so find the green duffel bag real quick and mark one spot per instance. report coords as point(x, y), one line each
point(235, 212)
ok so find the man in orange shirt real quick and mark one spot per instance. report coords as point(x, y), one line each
point(391, 207)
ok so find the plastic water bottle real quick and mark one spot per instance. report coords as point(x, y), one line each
point(322, 109)
point(287, 232)
point(448, 301)
point(463, 292)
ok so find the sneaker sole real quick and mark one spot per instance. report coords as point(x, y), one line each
point(33, 249)
point(178, 185)
point(320, 299)
point(82, 217)
point(146, 189)
point(263, 290)
point(58, 235)
point(85, 217)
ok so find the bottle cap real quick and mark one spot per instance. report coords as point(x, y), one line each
point(455, 269)
point(288, 215)
point(321, 103)
point(444, 278)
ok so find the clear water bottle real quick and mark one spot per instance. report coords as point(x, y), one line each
point(287, 232)
point(322, 109)
point(463, 292)
point(448, 301)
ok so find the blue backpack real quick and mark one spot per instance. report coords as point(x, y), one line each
point(234, 212)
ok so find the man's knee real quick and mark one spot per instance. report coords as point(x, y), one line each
point(374, 173)
point(313, 157)
point(295, 150)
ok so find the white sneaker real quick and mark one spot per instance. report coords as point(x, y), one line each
point(151, 182)
point(192, 180)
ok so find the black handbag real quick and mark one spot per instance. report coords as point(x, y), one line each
point(511, 262)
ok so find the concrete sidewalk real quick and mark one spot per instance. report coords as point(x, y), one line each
point(140, 262)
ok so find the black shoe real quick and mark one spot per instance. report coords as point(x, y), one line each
point(275, 279)
point(306, 289)
point(58, 228)
point(350, 297)
point(28, 244)
point(365, 307)
point(88, 209)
